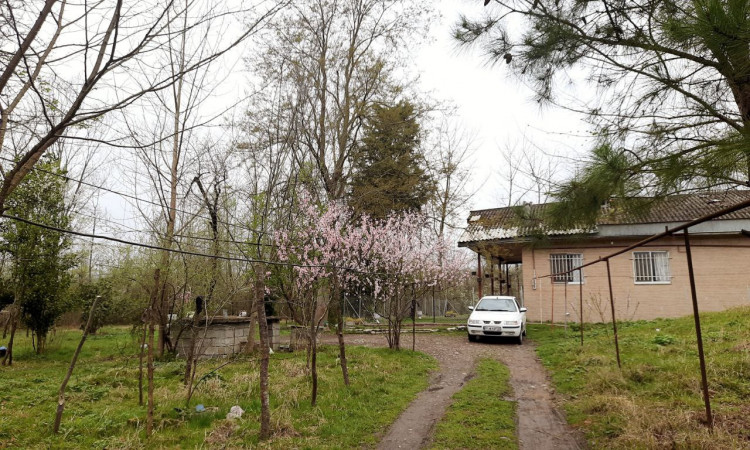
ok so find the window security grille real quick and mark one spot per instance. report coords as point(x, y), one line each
point(562, 262)
point(651, 267)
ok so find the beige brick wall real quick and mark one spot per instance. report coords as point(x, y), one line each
point(219, 340)
point(722, 268)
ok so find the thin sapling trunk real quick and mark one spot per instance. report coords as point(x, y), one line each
point(61, 394)
point(265, 411)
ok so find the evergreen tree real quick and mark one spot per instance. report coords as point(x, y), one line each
point(388, 167)
point(673, 106)
point(40, 257)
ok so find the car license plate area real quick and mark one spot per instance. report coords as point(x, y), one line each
point(493, 329)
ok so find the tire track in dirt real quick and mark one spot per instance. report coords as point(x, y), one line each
point(540, 425)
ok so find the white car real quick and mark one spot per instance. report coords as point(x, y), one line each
point(497, 315)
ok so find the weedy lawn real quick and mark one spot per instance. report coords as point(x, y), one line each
point(479, 418)
point(655, 401)
point(102, 408)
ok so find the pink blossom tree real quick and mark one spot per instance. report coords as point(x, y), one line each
point(332, 256)
point(315, 246)
point(402, 259)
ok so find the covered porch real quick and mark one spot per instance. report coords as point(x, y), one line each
point(498, 268)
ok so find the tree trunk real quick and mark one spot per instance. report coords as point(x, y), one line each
point(8, 360)
point(342, 346)
point(265, 412)
point(41, 340)
point(314, 358)
point(150, 358)
point(61, 394)
point(188, 377)
point(140, 363)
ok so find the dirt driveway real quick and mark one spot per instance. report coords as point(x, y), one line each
point(539, 424)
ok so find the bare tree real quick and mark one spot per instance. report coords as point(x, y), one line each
point(71, 64)
point(337, 58)
point(452, 149)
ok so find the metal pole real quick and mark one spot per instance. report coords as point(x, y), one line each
point(612, 306)
point(699, 336)
point(580, 300)
point(565, 301)
point(552, 314)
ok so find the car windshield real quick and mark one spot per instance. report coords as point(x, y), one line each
point(497, 304)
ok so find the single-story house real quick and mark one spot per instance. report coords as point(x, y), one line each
point(648, 282)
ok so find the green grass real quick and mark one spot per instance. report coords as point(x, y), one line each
point(102, 397)
point(479, 417)
point(427, 318)
point(656, 400)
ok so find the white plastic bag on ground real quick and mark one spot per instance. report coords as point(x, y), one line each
point(235, 412)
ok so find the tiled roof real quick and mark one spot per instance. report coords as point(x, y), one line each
point(683, 208)
point(508, 223)
point(520, 221)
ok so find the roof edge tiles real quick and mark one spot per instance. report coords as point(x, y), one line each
point(526, 220)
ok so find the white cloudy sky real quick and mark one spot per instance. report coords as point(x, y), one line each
point(495, 108)
point(498, 109)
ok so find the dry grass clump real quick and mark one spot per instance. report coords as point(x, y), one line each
point(221, 433)
point(282, 424)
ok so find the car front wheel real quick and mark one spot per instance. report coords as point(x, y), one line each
point(519, 339)
point(472, 338)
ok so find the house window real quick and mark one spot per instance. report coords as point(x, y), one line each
point(563, 262)
point(651, 267)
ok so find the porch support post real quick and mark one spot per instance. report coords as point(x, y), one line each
point(492, 275)
point(580, 300)
point(518, 285)
point(699, 336)
point(614, 322)
point(507, 279)
point(479, 275)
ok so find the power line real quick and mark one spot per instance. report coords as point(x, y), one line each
point(135, 198)
point(183, 252)
point(138, 199)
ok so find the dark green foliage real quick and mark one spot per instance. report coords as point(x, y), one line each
point(40, 257)
point(6, 296)
point(672, 110)
point(389, 174)
point(608, 174)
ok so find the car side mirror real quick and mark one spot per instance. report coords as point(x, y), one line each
point(523, 309)
point(471, 308)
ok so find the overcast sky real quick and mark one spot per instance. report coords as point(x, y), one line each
point(497, 108)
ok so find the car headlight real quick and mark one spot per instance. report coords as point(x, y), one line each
point(511, 322)
point(475, 322)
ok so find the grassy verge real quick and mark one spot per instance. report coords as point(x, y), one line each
point(656, 400)
point(479, 417)
point(103, 412)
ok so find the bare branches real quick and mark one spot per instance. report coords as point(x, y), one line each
point(72, 83)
